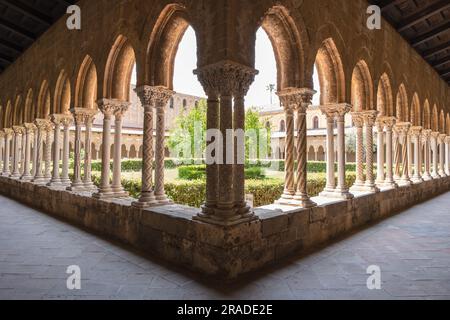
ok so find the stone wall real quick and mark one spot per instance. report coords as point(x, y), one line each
point(171, 233)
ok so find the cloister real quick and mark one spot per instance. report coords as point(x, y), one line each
point(69, 78)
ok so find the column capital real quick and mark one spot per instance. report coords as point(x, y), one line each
point(426, 133)
point(370, 117)
point(2, 134)
point(296, 98)
point(388, 122)
point(111, 107)
point(415, 131)
point(226, 78)
point(8, 132)
point(59, 118)
point(154, 96)
point(358, 119)
point(30, 127)
point(447, 140)
point(402, 128)
point(18, 129)
point(442, 137)
point(335, 110)
point(42, 124)
point(435, 134)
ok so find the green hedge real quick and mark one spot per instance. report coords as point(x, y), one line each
point(199, 173)
point(136, 164)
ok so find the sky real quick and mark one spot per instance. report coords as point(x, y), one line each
point(186, 61)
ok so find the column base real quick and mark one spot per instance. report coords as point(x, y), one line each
point(146, 200)
point(55, 183)
point(15, 175)
point(337, 194)
point(364, 188)
point(6, 174)
point(405, 182)
point(41, 181)
point(427, 177)
point(227, 222)
point(390, 184)
point(163, 199)
point(90, 186)
point(435, 176)
point(442, 174)
point(66, 182)
point(417, 179)
point(299, 200)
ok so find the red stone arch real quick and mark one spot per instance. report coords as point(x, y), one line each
point(7, 115)
point(62, 96)
point(435, 119)
point(17, 111)
point(401, 108)
point(29, 107)
point(442, 122)
point(362, 88)
point(385, 103)
point(43, 101)
point(86, 85)
point(415, 116)
point(426, 115)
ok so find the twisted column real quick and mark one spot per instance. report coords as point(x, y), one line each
point(77, 184)
point(41, 125)
point(289, 188)
point(89, 117)
point(397, 154)
point(16, 152)
point(358, 121)
point(389, 123)
point(415, 133)
point(29, 131)
point(6, 167)
point(369, 120)
point(441, 140)
point(403, 130)
point(48, 151)
point(434, 149)
point(66, 123)
point(380, 153)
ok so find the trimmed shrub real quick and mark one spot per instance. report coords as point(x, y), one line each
point(199, 173)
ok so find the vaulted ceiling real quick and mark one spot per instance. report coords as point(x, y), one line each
point(425, 24)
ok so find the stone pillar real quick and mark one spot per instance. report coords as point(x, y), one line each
point(389, 123)
point(77, 183)
point(229, 79)
point(296, 192)
point(35, 151)
point(358, 121)
point(110, 107)
point(56, 178)
point(402, 132)
point(380, 153)
point(369, 121)
point(16, 152)
point(6, 167)
point(447, 155)
point(22, 151)
point(2, 149)
point(415, 134)
point(41, 125)
point(434, 147)
point(441, 140)
point(48, 151)
point(336, 111)
point(89, 117)
point(426, 136)
point(148, 97)
point(29, 131)
point(163, 98)
point(66, 123)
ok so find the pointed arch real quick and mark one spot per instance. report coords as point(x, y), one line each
point(434, 119)
point(86, 85)
point(119, 68)
point(163, 45)
point(426, 115)
point(401, 108)
point(62, 96)
point(287, 46)
point(448, 124)
point(385, 103)
point(17, 111)
point(44, 101)
point(362, 87)
point(331, 73)
point(415, 116)
point(442, 122)
point(29, 107)
point(7, 115)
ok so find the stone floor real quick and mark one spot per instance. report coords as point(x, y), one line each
point(412, 249)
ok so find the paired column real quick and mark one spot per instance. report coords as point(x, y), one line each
point(7, 157)
point(402, 130)
point(66, 123)
point(110, 107)
point(295, 193)
point(415, 134)
point(89, 117)
point(77, 183)
point(2, 149)
point(389, 123)
point(16, 151)
point(337, 112)
point(447, 155)
point(226, 79)
point(434, 148)
point(441, 141)
point(369, 121)
point(426, 140)
point(41, 125)
point(48, 151)
point(358, 121)
point(29, 133)
point(381, 177)
point(56, 178)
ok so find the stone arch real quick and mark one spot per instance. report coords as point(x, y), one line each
point(331, 73)
point(321, 154)
point(29, 107)
point(362, 87)
point(287, 45)
point(426, 115)
point(44, 101)
point(315, 122)
point(434, 119)
point(119, 68)
point(442, 122)
point(133, 152)
point(163, 45)
point(17, 111)
point(7, 115)
point(415, 116)
point(311, 154)
point(124, 151)
point(385, 103)
point(62, 96)
point(401, 109)
point(86, 85)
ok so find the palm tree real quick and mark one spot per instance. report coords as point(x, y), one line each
point(271, 89)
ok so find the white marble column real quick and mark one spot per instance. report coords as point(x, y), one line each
point(89, 117)
point(16, 151)
point(29, 132)
point(7, 157)
point(434, 148)
point(41, 125)
point(56, 178)
point(116, 186)
point(22, 150)
point(381, 177)
point(35, 151)
point(2, 150)
point(358, 121)
point(389, 123)
point(447, 155)
point(77, 183)
point(66, 123)
point(48, 151)
point(403, 131)
point(426, 136)
point(441, 140)
point(330, 161)
point(415, 134)
point(369, 121)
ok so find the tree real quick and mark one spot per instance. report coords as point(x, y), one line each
point(257, 135)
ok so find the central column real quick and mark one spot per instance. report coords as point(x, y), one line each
point(289, 163)
point(230, 79)
point(369, 120)
point(338, 112)
point(381, 178)
point(389, 123)
point(29, 131)
point(48, 151)
point(77, 184)
point(441, 140)
point(66, 123)
point(426, 136)
point(415, 133)
point(56, 178)
point(6, 168)
point(16, 152)
point(89, 117)
point(41, 125)
point(434, 148)
point(403, 131)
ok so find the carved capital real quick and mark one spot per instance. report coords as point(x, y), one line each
point(335, 110)
point(8, 132)
point(2, 134)
point(402, 128)
point(296, 98)
point(42, 124)
point(415, 131)
point(435, 135)
point(30, 127)
point(157, 97)
point(358, 119)
point(441, 138)
point(370, 117)
point(18, 130)
point(388, 122)
point(111, 107)
point(447, 140)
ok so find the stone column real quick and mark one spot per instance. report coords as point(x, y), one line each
point(229, 78)
point(447, 155)
point(434, 148)
point(415, 134)
point(426, 136)
point(77, 183)
point(22, 150)
point(16, 152)
point(66, 123)
point(29, 131)
point(389, 123)
point(289, 163)
point(56, 178)
point(441, 140)
point(48, 151)
point(41, 125)
point(397, 154)
point(148, 97)
point(380, 153)
point(2, 150)
point(403, 131)
point(35, 151)
point(369, 121)
point(358, 121)
point(336, 112)
point(331, 180)
point(6, 167)
point(89, 117)
point(164, 96)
